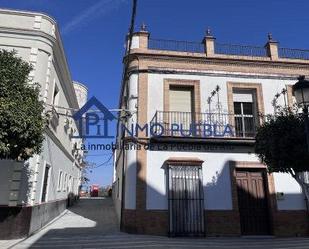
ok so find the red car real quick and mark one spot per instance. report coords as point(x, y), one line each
point(94, 190)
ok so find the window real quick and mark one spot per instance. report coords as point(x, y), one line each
point(59, 180)
point(245, 110)
point(45, 183)
point(69, 189)
point(181, 108)
point(55, 101)
point(180, 99)
point(118, 187)
point(73, 186)
point(65, 182)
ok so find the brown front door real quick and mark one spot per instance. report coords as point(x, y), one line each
point(252, 201)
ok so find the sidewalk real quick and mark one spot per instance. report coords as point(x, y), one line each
point(4, 244)
point(92, 223)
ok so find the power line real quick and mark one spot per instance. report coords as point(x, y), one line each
point(104, 154)
point(71, 110)
point(104, 163)
point(75, 110)
point(126, 61)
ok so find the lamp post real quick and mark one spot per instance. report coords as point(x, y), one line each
point(301, 92)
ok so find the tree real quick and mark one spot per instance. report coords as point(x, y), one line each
point(21, 120)
point(281, 145)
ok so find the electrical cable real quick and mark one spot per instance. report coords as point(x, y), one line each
point(104, 163)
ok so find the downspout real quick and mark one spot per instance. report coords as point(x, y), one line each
point(122, 185)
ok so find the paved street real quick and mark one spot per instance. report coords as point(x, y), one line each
point(91, 223)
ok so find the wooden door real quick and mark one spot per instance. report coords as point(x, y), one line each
point(252, 202)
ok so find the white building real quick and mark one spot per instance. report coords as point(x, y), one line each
point(33, 194)
point(209, 182)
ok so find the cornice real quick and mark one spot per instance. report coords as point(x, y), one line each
point(197, 58)
point(150, 70)
point(59, 57)
point(30, 32)
point(27, 13)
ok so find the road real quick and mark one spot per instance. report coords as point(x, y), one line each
point(91, 223)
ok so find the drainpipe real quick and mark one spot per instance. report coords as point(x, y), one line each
point(122, 185)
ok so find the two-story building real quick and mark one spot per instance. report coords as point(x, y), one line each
point(36, 191)
point(195, 172)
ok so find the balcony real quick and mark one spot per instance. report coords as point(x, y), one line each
point(224, 126)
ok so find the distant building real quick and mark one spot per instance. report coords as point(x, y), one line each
point(36, 192)
point(81, 92)
point(205, 180)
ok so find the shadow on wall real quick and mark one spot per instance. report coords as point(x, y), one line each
point(254, 208)
point(14, 214)
point(253, 211)
point(91, 218)
point(215, 189)
point(21, 220)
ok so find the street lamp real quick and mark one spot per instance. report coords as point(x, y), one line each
point(301, 92)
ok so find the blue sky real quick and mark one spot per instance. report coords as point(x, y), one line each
point(93, 33)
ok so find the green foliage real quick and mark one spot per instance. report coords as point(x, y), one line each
point(21, 120)
point(281, 143)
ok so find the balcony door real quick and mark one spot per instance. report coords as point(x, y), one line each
point(181, 107)
point(245, 110)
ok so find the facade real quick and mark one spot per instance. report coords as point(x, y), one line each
point(35, 192)
point(180, 181)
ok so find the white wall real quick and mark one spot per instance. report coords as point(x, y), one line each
point(6, 174)
point(27, 20)
point(216, 177)
point(14, 181)
point(130, 180)
point(216, 180)
point(216, 196)
point(207, 84)
point(57, 159)
point(291, 199)
point(39, 44)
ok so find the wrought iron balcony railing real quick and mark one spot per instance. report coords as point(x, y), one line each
point(207, 125)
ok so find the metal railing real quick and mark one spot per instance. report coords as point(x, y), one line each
point(192, 124)
point(227, 49)
point(172, 45)
point(291, 53)
point(240, 50)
